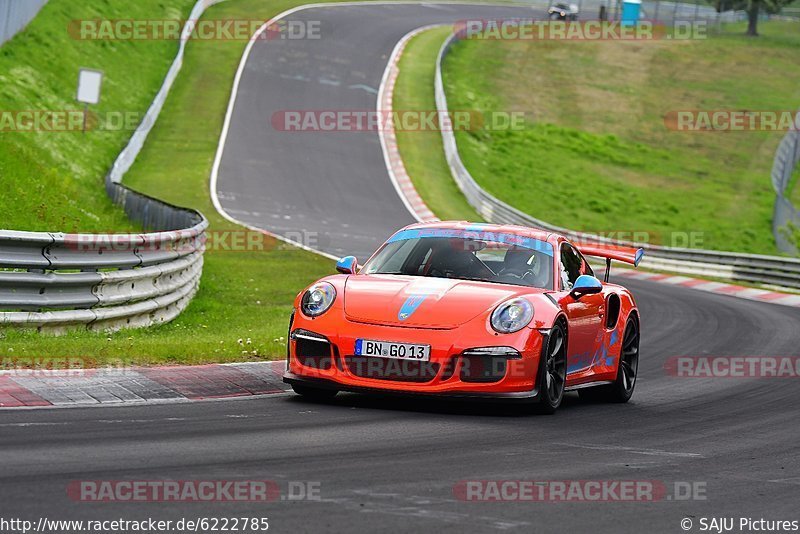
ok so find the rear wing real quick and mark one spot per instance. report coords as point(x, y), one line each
point(610, 252)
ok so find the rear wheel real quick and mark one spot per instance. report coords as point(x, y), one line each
point(317, 394)
point(622, 388)
point(553, 371)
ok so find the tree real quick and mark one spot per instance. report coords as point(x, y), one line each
point(752, 8)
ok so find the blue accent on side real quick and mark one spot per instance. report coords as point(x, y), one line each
point(410, 306)
point(478, 233)
point(358, 346)
point(609, 359)
point(638, 258)
point(581, 362)
point(614, 338)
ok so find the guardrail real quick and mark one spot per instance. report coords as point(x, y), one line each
point(750, 268)
point(55, 281)
point(15, 15)
point(786, 217)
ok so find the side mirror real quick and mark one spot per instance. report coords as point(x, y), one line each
point(585, 285)
point(347, 265)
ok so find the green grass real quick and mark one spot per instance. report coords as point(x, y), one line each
point(422, 151)
point(595, 154)
point(53, 181)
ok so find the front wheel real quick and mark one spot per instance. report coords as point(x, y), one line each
point(622, 388)
point(312, 393)
point(553, 371)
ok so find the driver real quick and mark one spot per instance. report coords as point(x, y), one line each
point(451, 261)
point(517, 261)
point(522, 264)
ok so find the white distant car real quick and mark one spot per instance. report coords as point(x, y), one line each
point(563, 12)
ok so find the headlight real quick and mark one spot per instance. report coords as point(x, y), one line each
point(317, 299)
point(512, 315)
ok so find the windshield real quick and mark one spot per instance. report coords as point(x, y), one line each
point(482, 256)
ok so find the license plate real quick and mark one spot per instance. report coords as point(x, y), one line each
point(397, 351)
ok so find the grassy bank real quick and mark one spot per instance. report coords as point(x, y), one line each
point(595, 153)
point(53, 180)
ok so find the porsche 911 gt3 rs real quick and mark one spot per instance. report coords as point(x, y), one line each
point(466, 310)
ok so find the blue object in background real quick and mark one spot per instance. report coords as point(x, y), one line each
point(630, 12)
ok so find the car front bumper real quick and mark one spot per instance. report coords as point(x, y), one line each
point(518, 396)
point(322, 356)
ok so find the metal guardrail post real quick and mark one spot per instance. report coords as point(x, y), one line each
point(785, 217)
point(15, 15)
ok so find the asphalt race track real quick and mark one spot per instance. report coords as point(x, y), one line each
point(391, 465)
point(329, 190)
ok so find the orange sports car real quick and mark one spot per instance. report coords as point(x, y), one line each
point(467, 310)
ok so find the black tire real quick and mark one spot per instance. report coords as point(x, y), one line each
point(622, 388)
point(312, 393)
point(553, 371)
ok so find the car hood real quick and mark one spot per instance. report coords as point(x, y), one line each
point(421, 302)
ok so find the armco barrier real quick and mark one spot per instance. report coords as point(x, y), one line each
point(54, 281)
point(786, 217)
point(15, 15)
point(751, 268)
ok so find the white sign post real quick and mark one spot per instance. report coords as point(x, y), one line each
point(89, 83)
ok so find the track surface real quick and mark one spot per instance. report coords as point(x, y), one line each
point(329, 190)
point(390, 465)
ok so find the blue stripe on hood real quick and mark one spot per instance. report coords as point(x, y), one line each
point(410, 306)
